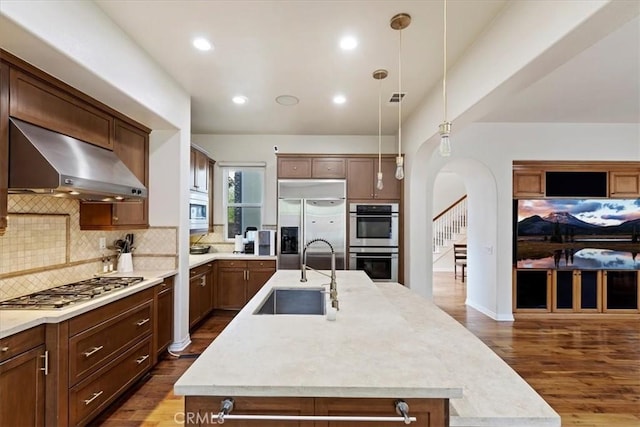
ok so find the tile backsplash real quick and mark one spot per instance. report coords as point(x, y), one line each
point(44, 247)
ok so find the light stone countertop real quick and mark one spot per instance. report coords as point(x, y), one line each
point(369, 351)
point(14, 321)
point(493, 393)
point(199, 259)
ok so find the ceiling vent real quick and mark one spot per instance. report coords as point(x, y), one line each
point(397, 97)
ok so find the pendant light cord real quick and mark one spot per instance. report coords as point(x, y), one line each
point(400, 97)
point(380, 126)
point(444, 71)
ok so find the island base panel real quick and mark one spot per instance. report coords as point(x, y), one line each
point(202, 411)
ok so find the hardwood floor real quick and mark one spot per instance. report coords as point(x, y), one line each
point(587, 370)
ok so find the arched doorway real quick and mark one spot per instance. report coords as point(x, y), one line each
point(482, 226)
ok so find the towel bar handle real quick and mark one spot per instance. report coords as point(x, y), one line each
point(402, 408)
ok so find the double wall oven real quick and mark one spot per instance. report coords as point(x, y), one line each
point(373, 240)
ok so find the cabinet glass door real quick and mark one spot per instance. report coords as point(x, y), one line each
point(589, 290)
point(621, 290)
point(532, 290)
point(563, 291)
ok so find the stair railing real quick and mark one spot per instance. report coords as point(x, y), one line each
point(449, 222)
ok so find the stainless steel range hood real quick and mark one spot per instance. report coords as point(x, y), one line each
point(45, 162)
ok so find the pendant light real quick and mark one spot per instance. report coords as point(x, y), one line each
point(400, 22)
point(380, 75)
point(445, 127)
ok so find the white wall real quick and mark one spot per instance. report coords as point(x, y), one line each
point(253, 148)
point(448, 188)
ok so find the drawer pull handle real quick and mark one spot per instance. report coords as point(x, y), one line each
point(93, 351)
point(141, 359)
point(94, 397)
point(4, 349)
point(142, 322)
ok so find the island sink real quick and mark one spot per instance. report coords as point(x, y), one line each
point(294, 301)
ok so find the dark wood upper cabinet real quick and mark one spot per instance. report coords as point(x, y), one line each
point(34, 96)
point(4, 144)
point(294, 167)
point(42, 104)
point(360, 183)
point(212, 164)
point(304, 166)
point(362, 175)
point(131, 145)
point(199, 171)
point(328, 168)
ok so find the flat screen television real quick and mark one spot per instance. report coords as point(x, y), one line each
point(577, 233)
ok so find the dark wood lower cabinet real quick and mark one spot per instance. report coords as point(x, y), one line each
point(202, 411)
point(66, 373)
point(200, 293)
point(22, 389)
point(91, 396)
point(163, 335)
point(238, 281)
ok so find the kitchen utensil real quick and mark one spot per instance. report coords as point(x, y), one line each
point(119, 244)
point(199, 249)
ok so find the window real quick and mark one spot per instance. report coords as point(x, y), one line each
point(243, 189)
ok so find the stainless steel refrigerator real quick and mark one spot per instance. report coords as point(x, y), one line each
point(307, 210)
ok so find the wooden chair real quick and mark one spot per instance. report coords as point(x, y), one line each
point(459, 259)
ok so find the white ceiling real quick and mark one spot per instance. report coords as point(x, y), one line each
point(264, 49)
point(599, 85)
point(268, 48)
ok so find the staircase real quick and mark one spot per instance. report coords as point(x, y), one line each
point(449, 227)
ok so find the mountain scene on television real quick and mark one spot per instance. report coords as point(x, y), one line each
point(578, 233)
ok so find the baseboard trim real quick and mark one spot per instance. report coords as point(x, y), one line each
point(490, 313)
point(180, 345)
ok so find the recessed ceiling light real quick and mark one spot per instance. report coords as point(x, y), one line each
point(201, 43)
point(348, 43)
point(239, 99)
point(287, 100)
point(339, 99)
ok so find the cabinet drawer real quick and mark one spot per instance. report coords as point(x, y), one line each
point(91, 396)
point(328, 168)
point(21, 342)
point(88, 350)
point(261, 264)
point(201, 269)
point(231, 264)
point(294, 168)
point(99, 315)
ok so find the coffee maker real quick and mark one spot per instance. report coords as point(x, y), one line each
point(250, 235)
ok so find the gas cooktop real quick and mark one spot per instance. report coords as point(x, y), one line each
point(65, 295)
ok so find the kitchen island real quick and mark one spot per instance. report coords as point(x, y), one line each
point(361, 364)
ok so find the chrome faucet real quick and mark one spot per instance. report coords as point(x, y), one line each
point(333, 288)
